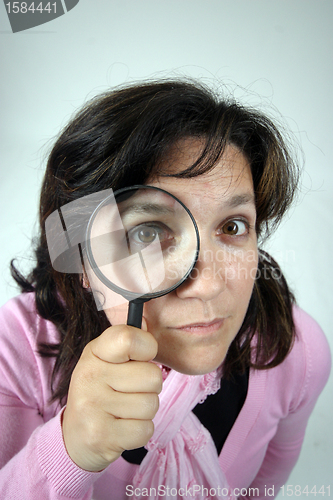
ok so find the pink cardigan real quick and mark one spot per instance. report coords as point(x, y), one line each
point(260, 451)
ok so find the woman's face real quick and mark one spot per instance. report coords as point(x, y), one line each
point(195, 324)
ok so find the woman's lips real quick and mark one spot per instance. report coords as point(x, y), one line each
point(203, 328)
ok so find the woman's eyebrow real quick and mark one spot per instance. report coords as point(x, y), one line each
point(147, 208)
point(240, 199)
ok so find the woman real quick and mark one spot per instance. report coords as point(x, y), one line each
point(237, 366)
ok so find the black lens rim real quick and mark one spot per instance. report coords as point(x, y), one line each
point(130, 296)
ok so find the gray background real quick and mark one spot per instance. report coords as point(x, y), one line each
point(273, 54)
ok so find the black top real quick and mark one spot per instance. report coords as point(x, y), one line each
point(217, 413)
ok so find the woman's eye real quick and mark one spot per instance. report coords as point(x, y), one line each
point(145, 235)
point(235, 228)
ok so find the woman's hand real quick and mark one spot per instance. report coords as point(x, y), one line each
point(113, 397)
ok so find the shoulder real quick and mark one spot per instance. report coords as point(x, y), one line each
point(311, 340)
point(19, 321)
point(25, 375)
point(308, 364)
point(293, 386)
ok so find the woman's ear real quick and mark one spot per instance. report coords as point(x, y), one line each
point(85, 281)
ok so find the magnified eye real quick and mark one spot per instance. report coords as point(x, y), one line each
point(234, 228)
point(144, 234)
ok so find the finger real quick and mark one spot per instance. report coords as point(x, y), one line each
point(135, 377)
point(131, 434)
point(122, 343)
point(132, 406)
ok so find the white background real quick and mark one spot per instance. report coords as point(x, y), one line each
point(277, 55)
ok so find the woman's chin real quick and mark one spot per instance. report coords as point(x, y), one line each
point(197, 367)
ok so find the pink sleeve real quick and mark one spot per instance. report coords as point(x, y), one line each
point(311, 359)
point(43, 469)
point(33, 459)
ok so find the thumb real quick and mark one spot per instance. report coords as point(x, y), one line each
point(144, 325)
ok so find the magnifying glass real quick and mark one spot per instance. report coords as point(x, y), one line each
point(142, 243)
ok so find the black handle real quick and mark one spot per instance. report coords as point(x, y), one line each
point(135, 309)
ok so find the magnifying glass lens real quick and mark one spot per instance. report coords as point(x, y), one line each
point(142, 242)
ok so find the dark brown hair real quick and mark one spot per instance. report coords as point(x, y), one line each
point(119, 139)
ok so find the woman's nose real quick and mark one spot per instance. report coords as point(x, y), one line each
point(208, 277)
